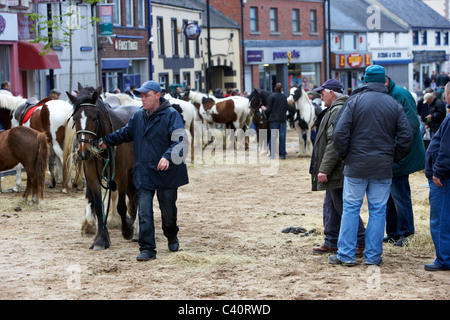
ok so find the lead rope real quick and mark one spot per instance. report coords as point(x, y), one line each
point(108, 179)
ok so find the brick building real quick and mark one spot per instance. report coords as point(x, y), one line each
point(124, 56)
point(283, 41)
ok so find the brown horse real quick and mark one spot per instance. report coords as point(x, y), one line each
point(29, 147)
point(257, 99)
point(93, 120)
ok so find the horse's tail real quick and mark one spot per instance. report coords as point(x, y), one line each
point(45, 119)
point(41, 162)
point(69, 136)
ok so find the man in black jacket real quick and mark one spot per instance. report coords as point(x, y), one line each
point(371, 133)
point(436, 112)
point(276, 110)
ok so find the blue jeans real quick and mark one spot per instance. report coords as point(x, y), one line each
point(167, 203)
point(332, 215)
point(440, 222)
point(399, 211)
point(377, 192)
point(278, 127)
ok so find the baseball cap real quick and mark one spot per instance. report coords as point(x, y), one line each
point(147, 86)
point(331, 84)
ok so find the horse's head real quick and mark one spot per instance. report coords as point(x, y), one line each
point(255, 101)
point(90, 116)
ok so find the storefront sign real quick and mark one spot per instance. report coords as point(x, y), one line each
point(355, 60)
point(126, 45)
point(429, 56)
point(255, 56)
point(106, 19)
point(286, 55)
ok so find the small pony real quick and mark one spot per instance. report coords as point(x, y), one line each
point(29, 147)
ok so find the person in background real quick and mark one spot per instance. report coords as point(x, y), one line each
point(436, 112)
point(399, 214)
point(276, 110)
point(5, 88)
point(327, 169)
point(371, 134)
point(55, 94)
point(437, 170)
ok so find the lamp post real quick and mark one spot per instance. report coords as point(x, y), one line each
point(209, 47)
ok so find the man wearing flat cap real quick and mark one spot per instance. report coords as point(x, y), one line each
point(371, 134)
point(327, 169)
point(160, 146)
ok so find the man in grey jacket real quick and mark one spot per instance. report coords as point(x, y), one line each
point(371, 134)
point(327, 169)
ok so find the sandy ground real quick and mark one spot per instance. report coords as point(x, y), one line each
point(232, 247)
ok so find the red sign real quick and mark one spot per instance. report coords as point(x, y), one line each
point(342, 60)
point(355, 60)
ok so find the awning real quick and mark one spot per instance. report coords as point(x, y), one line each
point(31, 59)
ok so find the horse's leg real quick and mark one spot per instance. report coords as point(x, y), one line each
point(301, 143)
point(127, 223)
point(18, 178)
point(88, 225)
point(51, 168)
point(308, 151)
point(113, 215)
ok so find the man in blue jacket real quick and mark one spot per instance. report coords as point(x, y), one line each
point(437, 170)
point(160, 145)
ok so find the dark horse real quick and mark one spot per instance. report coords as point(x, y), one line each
point(257, 99)
point(93, 120)
point(29, 147)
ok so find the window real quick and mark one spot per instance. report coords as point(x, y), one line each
point(380, 38)
point(174, 37)
point(185, 41)
point(164, 80)
point(160, 30)
point(437, 36)
point(273, 20)
point(424, 38)
point(253, 19)
point(313, 21)
point(339, 42)
point(296, 21)
point(355, 42)
point(141, 13)
point(116, 12)
point(445, 38)
point(197, 44)
point(198, 81)
point(129, 13)
point(186, 79)
point(415, 38)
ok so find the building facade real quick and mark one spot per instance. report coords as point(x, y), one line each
point(282, 41)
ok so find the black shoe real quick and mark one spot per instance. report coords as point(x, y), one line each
point(433, 267)
point(335, 260)
point(173, 245)
point(146, 256)
point(390, 238)
point(402, 241)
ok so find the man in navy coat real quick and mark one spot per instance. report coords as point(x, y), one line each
point(160, 145)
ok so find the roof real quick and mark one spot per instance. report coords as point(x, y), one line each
point(351, 16)
point(217, 19)
point(416, 13)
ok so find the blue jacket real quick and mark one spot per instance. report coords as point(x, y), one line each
point(437, 162)
point(160, 135)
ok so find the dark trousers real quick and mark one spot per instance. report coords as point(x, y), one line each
point(167, 203)
point(332, 215)
point(399, 210)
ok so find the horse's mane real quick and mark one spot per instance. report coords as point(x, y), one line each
point(11, 102)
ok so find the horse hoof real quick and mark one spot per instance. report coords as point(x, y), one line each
point(64, 191)
point(98, 248)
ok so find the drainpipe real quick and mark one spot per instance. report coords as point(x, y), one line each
point(150, 39)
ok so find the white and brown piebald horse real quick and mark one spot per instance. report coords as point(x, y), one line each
point(305, 119)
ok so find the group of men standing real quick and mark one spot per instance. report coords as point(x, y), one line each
point(369, 144)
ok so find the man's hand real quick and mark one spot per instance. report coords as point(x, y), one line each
point(437, 181)
point(102, 145)
point(163, 164)
point(322, 177)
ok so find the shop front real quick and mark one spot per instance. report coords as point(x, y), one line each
point(397, 64)
point(348, 68)
point(290, 66)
